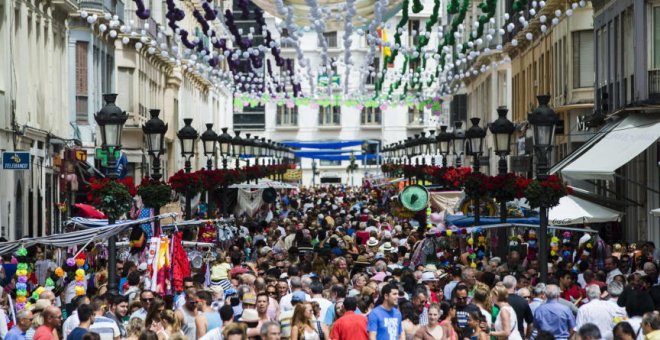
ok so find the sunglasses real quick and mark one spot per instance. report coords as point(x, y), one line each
point(527, 297)
point(147, 300)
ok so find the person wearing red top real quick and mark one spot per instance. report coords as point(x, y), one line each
point(52, 320)
point(570, 290)
point(350, 325)
point(237, 269)
point(590, 279)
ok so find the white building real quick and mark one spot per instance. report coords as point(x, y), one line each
point(309, 123)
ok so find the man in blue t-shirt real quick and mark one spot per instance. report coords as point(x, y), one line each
point(385, 320)
point(86, 317)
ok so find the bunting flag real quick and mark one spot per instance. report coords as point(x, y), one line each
point(382, 33)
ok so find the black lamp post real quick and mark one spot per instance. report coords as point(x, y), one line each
point(475, 141)
point(209, 139)
point(247, 147)
point(226, 144)
point(458, 141)
point(188, 138)
point(544, 120)
point(154, 131)
point(502, 129)
point(443, 140)
point(431, 146)
point(238, 148)
point(420, 147)
point(111, 121)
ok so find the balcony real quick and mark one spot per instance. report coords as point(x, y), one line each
point(103, 6)
point(66, 5)
point(654, 86)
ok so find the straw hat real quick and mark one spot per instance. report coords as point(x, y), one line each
point(249, 315)
point(361, 259)
point(372, 242)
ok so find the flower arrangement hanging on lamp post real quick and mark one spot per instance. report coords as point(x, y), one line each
point(547, 192)
point(155, 194)
point(113, 197)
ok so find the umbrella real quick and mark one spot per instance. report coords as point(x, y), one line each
point(89, 211)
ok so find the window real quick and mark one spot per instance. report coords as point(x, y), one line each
point(371, 116)
point(125, 78)
point(82, 114)
point(330, 38)
point(373, 70)
point(415, 115)
point(583, 59)
point(656, 37)
point(414, 25)
point(329, 115)
point(372, 147)
point(287, 116)
point(326, 162)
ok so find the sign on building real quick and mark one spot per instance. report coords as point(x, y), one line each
point(16, 160)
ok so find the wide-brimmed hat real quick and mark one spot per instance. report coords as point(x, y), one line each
point(428, 276)
point(249, 315)
point(249, 298)
point(361, 259)
point(430, 268)
point(386, 247)
point(372, 242)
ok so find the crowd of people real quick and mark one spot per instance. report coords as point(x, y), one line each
point(337, 263)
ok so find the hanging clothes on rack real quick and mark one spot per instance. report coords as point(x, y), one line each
point(180, 263)
point(161, 280)
point(248, 201)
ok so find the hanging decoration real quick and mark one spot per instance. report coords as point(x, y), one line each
point(81, 282)
point(22, 272)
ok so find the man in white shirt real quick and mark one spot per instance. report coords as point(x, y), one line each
point(146, 297)
point(601, 313)
point(72, 321)
point(296, 286)
point(317, 295)
point(612, 268)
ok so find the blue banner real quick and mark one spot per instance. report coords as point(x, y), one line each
point(332, 144)
point(16, 160)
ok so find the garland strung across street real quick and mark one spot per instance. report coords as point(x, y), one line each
point(441, 70)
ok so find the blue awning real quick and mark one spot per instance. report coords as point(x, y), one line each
point(467, 221)
point(332, 144)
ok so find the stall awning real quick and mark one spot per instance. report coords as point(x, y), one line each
point(573, 210)
point(618, 147)
point(263, 184)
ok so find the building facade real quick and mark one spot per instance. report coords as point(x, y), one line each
point(33, 65)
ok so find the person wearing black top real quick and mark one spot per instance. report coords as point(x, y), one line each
point(460, 298)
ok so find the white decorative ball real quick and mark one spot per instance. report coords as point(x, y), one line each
point(107, 16)
point(555, 21)
point(532, 12)
point(543, 19)
point(138, 45)
point(146, 25)
point(102, 28)
point(541, 3)
point(125, 40)
point(514, 42)
point(529, 36)
point(569, 12)
point(574, 5)
point(582, 3)
point(558, 13)
point(83, 14)
point(544, 28)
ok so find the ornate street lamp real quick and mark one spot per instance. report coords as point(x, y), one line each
point(431, 146)
point(111, 121)
point(226, 143)
point(444, 140)
point(154, 131)
point(543, 120)
point(502, 130)
point(458, 142)
point(188, 138)
point(209, 141)
point(238, 148)
point(249, 147)
point(475, 141)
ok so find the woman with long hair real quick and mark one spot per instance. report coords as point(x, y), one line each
point(321, 327)
point(448, 320)
point(481, 299)
point(302, 327)
point(153, 314)
point(168, 325)
point(432, 330)
point(474, 320)
point(506, 324)
point(134, 328)
point(410, 319)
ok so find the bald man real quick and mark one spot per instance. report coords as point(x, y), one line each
point(52, 319)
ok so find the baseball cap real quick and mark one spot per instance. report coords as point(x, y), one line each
point(298, 297)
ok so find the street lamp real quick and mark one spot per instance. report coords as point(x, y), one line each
point(475, 140)
point(458, 141)
point(209, 139)
point(111, 121)
point(154, 131)
point(431, 146)
point(248, 147)
point(502, 130)
point(543, 120)
point(188, 138)
point(225, 141)
point(444, 139)
point(238, 148)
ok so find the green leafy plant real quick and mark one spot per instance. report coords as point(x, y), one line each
point(155, 194)
point(113, 197)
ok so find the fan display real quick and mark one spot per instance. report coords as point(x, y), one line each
point(414, 197)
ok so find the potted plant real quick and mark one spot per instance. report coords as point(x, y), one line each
point(112, 197)
point(187, 183)
point(546, 193)
point(155, 194)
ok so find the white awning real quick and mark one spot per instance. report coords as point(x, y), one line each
point(263, 184)
point(573, 210)
point(655, 212)
point(630, 138)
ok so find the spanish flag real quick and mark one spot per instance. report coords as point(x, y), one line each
point(382, 33)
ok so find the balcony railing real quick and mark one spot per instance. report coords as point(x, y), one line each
point(112, 6)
